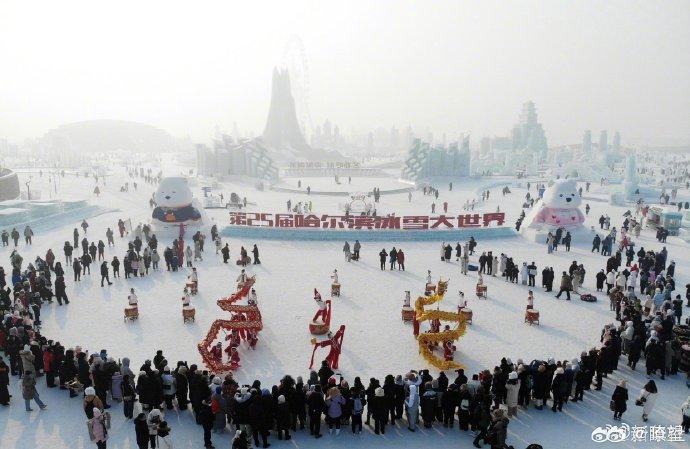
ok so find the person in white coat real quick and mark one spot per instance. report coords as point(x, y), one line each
point(647, 399)
point(169, 387)
point(512, 389)
point(412, 408)
point(632, 280)
point(610, 280)
point(685, 410)
point(621, 281)
point(524, 273)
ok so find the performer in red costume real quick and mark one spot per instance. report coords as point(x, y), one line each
point(335, 341)
point(234, 359)
point(252, 338)
point(217, 353)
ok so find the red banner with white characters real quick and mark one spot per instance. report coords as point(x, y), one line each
point(405, 222)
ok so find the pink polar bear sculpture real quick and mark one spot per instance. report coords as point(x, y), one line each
point(560, 206)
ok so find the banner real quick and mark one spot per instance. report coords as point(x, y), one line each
point(406, 222)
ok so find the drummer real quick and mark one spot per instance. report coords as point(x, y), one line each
point(133, 299)
point(462, 302)
point(530, 300)
point(253, 299)
point(406, 301)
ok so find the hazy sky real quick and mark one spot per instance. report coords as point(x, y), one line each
point(439, 65)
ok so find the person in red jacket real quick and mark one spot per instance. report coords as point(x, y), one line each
point(48, 366)
point(401, 260)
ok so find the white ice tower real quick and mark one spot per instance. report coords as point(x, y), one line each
point(630, 181)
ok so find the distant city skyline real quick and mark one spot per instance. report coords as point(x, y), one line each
point(444, 67)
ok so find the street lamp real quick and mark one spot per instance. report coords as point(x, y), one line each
point(28, 191)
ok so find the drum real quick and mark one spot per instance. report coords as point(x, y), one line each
point(188, 314)
point(335, 289)
point(192, 286)
point(684, 364)
point(318, 328)
point(467, 315)
point(131, 313)
point(482, 291)
point(407, 314)
point(532, 316)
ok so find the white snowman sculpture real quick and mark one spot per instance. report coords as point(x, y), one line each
point(175, 205)
point(559, 207)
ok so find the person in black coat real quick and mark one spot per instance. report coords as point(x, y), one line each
point(558, 390)
point(619, 400)
point(449, 403)
point(83, 370)
point(116, 266)
point(540, 387)
point(76, 267)
point(298, 406)
point(144, 390)
point(255, 253)
point(4, 383)
point(260, 416)
point(142, 431)
point(601, 278)
point(60, 290)
point(104, 273)
point(380, 407)
point(181, 387)
point(325, 373)
point(283, 420)
point(86, 263)
point(316, 405)
point(382, 258)
point(427, 403)
point(206, 419)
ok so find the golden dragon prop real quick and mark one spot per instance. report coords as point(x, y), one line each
point(427, 338)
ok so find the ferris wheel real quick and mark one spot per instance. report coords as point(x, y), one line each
point(295, 61)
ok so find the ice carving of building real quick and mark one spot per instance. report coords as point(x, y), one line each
point(630, 181)
point(587, 143)
point(9, 185)
point(528, 135)
point(229, 157)
point(426, 161)
point(281, 143)
point(282, 130)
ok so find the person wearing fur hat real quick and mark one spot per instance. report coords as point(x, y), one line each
point(513, 388)
point(379, 410)
point(91, 401)
point(28, 360)
point(282, 413)
point(240, 440)
point(559, 389)
point(181, 387)
point(169, 385)
point(619, 400)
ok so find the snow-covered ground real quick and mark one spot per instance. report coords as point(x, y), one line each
point(376, 341)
